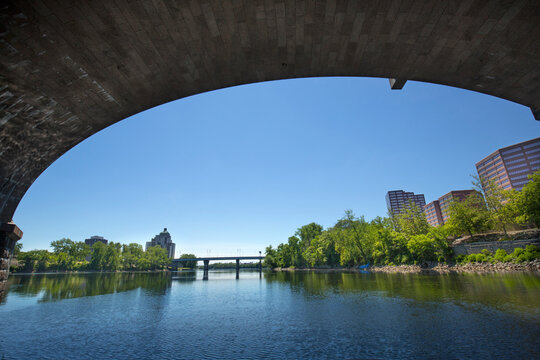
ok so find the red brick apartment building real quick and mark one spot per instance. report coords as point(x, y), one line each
point(437, 211)
point(510, 166)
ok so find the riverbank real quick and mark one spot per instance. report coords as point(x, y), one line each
point(476, 268)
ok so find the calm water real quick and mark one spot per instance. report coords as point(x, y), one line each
point(278, 316)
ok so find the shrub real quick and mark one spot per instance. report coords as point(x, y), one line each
point(440, 259)
point(460, 258)
point(486, 253)
point(500, 254)
point(480, 258)
point(517, 252)
point(508, 258)
point(471, 258)
point(521, 258)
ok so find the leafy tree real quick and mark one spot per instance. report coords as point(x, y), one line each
point(17, 249)
point(441, 241)
point(322, 250)
point(497, 199)
point(468, 216)
point(35, 260)
point(307, 233)
point(189, 264)
point(98, 260)
point(112, 256)
point(530, 199)
point(131, 253)
point(412, 221)
point(155, 258)
point(422, 247)
point(352, 241)
point(270, 257)
point(67, 253)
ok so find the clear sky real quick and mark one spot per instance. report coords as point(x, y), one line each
point(231, 171)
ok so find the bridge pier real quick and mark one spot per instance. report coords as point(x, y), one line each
point(9, 235)
point(237, 269)
point(205, 269)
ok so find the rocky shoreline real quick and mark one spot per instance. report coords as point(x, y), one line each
point(478, 268)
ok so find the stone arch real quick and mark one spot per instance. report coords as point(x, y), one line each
point(70, 69)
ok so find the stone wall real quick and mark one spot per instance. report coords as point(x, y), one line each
point(9, 235)
point(508, 245)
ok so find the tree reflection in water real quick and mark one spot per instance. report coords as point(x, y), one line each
point(53, 287)
point(503, 291)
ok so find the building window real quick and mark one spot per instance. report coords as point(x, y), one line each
point(511, 151)
point(532, 145)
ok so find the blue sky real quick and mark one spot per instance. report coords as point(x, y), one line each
point(231, 171)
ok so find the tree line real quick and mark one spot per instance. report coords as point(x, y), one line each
point(407, 238)
point(69, 255)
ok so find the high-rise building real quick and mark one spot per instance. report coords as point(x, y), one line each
point(164, 240)
point(397, 200)
point(510, 166)
point(94, 239)
point(437, 211)
point(433, 213)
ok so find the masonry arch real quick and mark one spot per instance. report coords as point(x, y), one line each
point(70, 69)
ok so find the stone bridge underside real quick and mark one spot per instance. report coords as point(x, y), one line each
point(72, 68)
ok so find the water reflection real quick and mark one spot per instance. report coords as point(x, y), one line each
point(521, 290)
point(298, 315)
point(54, 287)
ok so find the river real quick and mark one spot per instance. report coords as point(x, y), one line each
point(284, 315)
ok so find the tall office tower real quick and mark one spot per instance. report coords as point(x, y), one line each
point(509, 166)
point(164, 240)
point(437, 211)
point(397, 200)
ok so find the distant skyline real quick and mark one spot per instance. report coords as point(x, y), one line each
point(235, 170)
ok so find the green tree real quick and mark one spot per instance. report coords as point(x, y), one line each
point(352, 242)
point(113, 256)
point(17, 249)
point(131, 254)
point(307, 233)
point(189, 264)
point(295, 250)
point(422, 247)
point(270, 257)
point(98, 260)
point(322, 251)
point(35, 260)
point(530, 200)
point(442, 241)
point(412, 220)
point(468, 216)
point(496, 199)
point(156, 258)
point(68, 253)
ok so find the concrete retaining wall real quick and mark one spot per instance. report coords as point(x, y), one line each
point(509, 246)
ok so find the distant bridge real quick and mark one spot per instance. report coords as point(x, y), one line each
point(206, 260)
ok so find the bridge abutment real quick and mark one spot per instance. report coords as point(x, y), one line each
point(9, 235)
